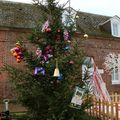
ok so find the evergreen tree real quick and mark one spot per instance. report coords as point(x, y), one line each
point(47, 93)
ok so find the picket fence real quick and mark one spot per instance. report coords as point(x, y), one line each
point(106, 110)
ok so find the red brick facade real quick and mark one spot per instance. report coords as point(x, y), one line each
point(8, 38)
point(98, 48)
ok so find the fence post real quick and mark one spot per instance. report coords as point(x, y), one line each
point(112, 110)
point(107, 110)
point(96, 106)
point(116, 108)
point(99, 108)
point(103, 109)
point(115, 97)
point(93, 109)
point(90, 111)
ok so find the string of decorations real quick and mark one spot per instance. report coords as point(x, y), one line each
point(18, 51)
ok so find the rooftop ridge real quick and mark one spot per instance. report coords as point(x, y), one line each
point(94, 14)
point(14, 2)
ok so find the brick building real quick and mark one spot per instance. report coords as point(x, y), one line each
point(16, 22)
point(104, 38)
point(18, 19)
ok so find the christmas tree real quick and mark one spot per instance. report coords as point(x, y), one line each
point(52, 75)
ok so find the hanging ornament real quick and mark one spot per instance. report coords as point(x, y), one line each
point(38, 52)
point(48, 30)
point(17, 52)
point(49, 50)
point(13, 52)
point(45, 26)
point(77, 98)
point(67, 47)
point(71, 62)
point(58, 35)
point(58, 30)
point(60, 77)
point(85, 36)
point(76, 33)
point(18, 60)
point(56, 71)
point(18, 44)
point(66, 35)
point(39, 70)
point(45, 57)
point(76, 16)
point(48, 53)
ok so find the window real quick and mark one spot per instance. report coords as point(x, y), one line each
point(115, 29)
point(116, 70)
point(112, 65)
point(115, 76)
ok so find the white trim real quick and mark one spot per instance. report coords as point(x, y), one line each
point(101, 71)
point(116, 73)
point(115, 82)
point(105, 22)
point(115, 21)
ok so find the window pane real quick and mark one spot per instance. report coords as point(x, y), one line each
point(115, 29)
point(115, 74)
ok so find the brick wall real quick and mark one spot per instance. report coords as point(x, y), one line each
point(95, 47)
point(98, 48)
point(13, 107)
point(7, 41)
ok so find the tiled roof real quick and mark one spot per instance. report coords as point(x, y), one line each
point(19, 15)
point(90, 23)
point(22, 15)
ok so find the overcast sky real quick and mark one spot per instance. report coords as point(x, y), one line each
point(102, 7)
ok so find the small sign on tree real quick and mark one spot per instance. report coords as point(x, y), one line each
point(77, 98)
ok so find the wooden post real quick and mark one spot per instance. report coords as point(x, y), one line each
point(93, 110)
point(96, 108)
point(99, 108)
point(112, 111)
point(107, 110)
point(115, 97)
point(103, 110)
point(116, 108)
point(90, 110)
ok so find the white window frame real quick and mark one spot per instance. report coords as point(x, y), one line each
point(115, 27)
point(115, 74)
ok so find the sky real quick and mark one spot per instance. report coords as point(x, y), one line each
point(101, 7)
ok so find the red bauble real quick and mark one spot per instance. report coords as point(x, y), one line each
point(71, 62)
point(58, 30)
point(77, 33)
point(18, 57)
point(15, 54)
point(18, 60)
point(48, 30)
